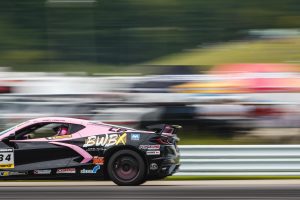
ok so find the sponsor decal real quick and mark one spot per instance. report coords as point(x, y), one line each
point(153, 166)
point(7, 166)
point(98, 160)
point(66, 171)
point(153, 152)
point(150, 147)
point(90, 171)
point(117, 129)
point(6, 150)
point(4, 173)
point(94, 149)
point(17, 173)
point(42, 171)
point(7, 173)
point(135, 136)
point(7, 158)
point(106, 140)
point(59, 137)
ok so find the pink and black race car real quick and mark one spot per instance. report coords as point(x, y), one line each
point(63, 148)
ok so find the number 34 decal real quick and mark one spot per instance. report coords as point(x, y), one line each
point(5, 157)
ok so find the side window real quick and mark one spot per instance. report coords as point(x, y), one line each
point(49, 130)
point(43, 130)
point(73, 128)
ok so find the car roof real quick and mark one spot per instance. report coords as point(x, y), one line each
point(80, 121)
point(59, 119)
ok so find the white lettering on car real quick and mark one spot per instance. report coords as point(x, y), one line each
point(106, 140)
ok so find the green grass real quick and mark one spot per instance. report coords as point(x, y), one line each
point(258, 51)
point(193, 139)
point(88, 68)
point(205, 141)
point(255, 51)
point(223, 141)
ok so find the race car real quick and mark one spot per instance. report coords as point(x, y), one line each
point(58, 147)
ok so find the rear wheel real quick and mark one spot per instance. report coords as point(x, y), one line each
point(126, 167)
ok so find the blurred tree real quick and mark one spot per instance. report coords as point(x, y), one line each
point(129, 31)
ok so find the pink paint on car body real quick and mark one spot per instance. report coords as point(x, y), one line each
point(86, 156)
point(91, 128)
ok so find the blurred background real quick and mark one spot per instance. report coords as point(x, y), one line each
point(226, 70)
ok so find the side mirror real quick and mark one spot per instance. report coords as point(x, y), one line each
point(11, 136)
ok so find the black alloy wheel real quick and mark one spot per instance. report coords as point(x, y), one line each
point(126, 167)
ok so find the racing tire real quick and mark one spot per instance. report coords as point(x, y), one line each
point(126, 168)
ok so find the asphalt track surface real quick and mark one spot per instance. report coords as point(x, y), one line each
point(254, 189)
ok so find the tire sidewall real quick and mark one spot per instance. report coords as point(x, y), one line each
point(139, 179)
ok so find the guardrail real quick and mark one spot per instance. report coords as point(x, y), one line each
point(240, 160)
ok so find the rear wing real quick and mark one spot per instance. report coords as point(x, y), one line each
point(164, 129)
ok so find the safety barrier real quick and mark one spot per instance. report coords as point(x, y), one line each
point(240, 160)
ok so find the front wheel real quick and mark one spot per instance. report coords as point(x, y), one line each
point(126, 167)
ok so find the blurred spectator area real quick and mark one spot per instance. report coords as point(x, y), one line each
point(226, 112)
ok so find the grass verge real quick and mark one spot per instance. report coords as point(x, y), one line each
point(254, 51)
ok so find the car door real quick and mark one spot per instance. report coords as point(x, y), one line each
point(43, 153)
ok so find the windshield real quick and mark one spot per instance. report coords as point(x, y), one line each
point(5, 131)
point(9, 129)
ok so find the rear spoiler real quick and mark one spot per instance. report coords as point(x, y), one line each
point(164, 129)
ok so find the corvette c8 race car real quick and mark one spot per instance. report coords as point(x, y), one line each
point(63, 148)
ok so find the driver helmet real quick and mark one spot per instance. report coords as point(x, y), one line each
point(62, 130)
